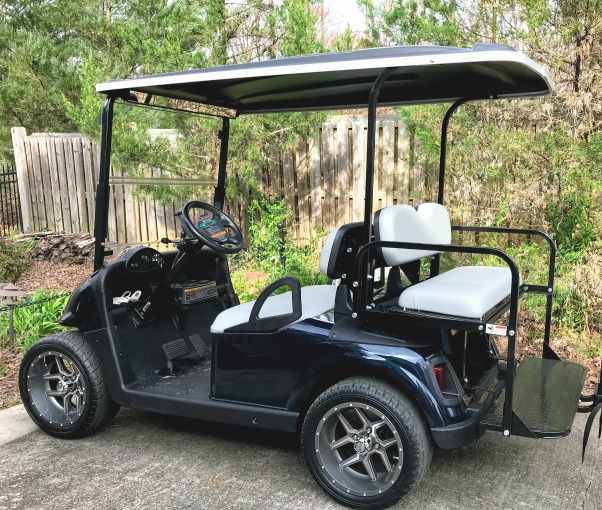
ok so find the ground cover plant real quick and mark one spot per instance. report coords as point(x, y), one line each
point(34, 321)
point(13, 258)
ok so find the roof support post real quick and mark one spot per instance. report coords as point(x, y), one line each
point(101, 218)
point(220, 189)
point(443, 153)
point(371, 150)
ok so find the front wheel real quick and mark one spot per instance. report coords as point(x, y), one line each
point(366, 443)
point(62, 386)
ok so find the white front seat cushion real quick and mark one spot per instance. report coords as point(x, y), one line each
point(315, 300)
point(469, 291)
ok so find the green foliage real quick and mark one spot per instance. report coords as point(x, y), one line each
point(34, 322)
point(13, 258)
point(572, 221)
point(254, 269)
point(52, 54)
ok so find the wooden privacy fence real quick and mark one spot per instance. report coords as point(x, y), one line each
point(321, 180)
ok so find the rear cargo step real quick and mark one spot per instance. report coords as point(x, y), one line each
point(546, 394)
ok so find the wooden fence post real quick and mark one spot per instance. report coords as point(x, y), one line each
point(18, 134)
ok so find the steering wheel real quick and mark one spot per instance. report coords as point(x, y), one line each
point(216, 230)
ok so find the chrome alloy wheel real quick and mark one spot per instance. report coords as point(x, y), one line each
point(359, 449)
point(56, 388)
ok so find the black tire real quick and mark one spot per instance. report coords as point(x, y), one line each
point(380, 481)
point(71, 362)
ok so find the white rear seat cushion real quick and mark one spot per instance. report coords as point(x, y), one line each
point(315, 300)
point(429, 224)
point(469, 291)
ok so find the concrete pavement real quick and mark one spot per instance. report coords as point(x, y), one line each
point(144, 461)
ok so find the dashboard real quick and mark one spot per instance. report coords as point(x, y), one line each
point(143, 259)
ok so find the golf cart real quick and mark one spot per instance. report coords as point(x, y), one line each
point(372, 374)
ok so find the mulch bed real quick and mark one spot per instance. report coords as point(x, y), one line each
point(47, 275)
point(9, 388)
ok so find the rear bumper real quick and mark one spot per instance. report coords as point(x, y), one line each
point(454, 436)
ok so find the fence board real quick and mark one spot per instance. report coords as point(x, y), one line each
point(39, 183)
point(59, 154)
point(314, 182)
point(54, 184)
point(120, 210)
point(388, 166)
point(76, 223)
point(31, 190)
point(78, 168)
point(303, 189)
point(357, 130)
point(45, 169)
point(132, 225)
point(18, 134)
point(88, 160)
point(343, 173)
point(321, 179)
point(327, 159)
point(288, 179)
point(403, 164)
point(151, 217)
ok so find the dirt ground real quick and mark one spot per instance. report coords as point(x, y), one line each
point(9, 372)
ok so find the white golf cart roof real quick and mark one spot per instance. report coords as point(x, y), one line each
point(335, 81)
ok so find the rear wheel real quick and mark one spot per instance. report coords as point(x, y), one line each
point(63, 388)
point(366, 443)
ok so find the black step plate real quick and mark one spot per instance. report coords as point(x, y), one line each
point(546, 394)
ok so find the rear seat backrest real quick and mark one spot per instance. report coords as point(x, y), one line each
point(402, 223)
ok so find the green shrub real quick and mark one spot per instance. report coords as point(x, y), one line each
point(35, 321)
point(254, 269)
point(13, 258)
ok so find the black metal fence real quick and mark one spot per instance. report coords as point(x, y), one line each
point(10, 207)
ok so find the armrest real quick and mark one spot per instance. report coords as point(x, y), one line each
point(520, 231)
point(504, 230)
point(272, 324)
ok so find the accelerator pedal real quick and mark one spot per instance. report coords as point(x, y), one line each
point(199, 345)
point(174, 351)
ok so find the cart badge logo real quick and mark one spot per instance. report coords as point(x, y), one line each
point(495, 329)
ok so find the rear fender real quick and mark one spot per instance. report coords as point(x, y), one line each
point(410, 381)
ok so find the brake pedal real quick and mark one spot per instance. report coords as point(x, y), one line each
point(174, 351)
point(199, 344)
